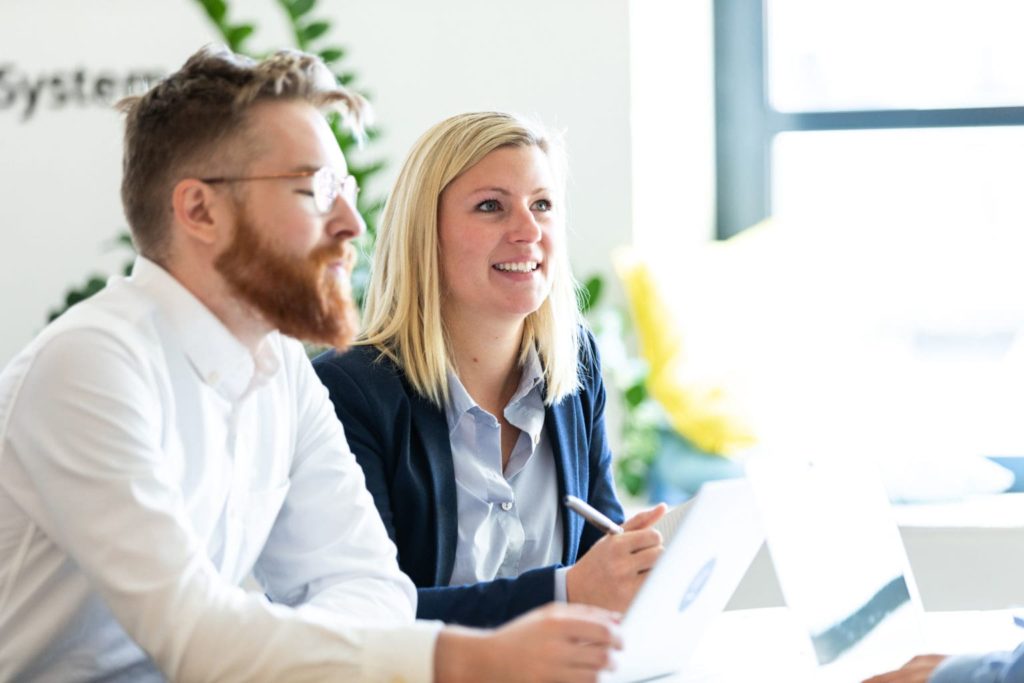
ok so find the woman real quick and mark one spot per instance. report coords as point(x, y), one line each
point(473, 399)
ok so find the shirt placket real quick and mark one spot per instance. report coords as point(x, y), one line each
point(504, 510)
point(240, 455)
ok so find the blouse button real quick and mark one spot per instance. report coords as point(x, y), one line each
point(507, 505)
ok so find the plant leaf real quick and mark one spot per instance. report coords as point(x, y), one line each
point(361, 171)
point(297, 8)
point(636, 394)
point(123, 239)
point(237, 34)
point(216, 9)
point(314, 30)
point(591, 293)
point(332, 54)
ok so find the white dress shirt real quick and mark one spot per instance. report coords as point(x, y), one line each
point(148, 463)
point(510, 520)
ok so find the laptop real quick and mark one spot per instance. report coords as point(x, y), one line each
point(717, 536)
point(840, 562)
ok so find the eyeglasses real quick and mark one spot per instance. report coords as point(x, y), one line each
point(327, 186)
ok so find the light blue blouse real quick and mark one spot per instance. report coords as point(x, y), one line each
point(509, 521)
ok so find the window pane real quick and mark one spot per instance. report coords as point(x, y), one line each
point(915, 238)
point(964, 183)
point(834, 55)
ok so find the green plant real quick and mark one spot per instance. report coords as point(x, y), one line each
point(310, 35)
point(625, 380)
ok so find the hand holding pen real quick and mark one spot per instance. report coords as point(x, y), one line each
point(612, 570)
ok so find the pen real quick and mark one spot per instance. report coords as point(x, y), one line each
point(591, 515)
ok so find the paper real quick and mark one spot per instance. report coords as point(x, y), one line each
point(673, 519)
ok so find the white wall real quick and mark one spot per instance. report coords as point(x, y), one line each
point(672, 98)
point(565, 61)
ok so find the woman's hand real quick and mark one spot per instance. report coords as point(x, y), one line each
point(611, 572)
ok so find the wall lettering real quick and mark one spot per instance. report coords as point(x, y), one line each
point(24, 94)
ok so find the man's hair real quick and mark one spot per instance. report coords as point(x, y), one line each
point(187, 126)
point(402, 315)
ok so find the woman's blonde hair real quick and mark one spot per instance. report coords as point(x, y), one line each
point(402, 314)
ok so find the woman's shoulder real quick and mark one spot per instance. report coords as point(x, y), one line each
point(589, 358)
point(365, 365)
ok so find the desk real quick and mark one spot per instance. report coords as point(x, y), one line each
point(775, 648)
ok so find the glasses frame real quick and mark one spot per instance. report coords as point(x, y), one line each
point(328, 186)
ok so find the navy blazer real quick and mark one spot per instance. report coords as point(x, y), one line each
point(402, 442)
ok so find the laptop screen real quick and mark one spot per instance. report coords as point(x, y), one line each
point(840, 561)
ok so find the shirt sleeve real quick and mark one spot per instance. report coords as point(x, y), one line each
point(328, 546)
point(561, 592)
point(86, 429)
point(993, 667)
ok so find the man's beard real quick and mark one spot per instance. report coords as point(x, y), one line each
point(300, 296)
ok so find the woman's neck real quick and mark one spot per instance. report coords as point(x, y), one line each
point(486, 360)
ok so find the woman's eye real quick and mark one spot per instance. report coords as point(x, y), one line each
point(488, 206)
point(308, 193)
point(542, 205)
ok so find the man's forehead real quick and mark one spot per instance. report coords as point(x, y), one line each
point(297, 135)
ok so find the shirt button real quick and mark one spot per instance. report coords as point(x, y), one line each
point(507, 505)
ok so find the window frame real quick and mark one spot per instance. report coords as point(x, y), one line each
point(746, 124)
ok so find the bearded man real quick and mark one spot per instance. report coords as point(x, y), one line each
point(167, 438)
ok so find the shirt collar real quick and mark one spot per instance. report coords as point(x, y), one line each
point(533, 375)
point(460, 402)
point(526, 407)
point(217, 356)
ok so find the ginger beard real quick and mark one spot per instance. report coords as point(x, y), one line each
point(301, 296)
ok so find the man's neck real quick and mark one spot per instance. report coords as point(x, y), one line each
point(207, 285)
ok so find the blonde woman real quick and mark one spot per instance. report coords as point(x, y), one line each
point(473, 399)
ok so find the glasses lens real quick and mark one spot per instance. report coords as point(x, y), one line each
point(350, 189)
point(325, 189)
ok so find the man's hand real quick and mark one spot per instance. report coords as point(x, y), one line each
point(611, 572)
point(557, 643)
point(917, 670)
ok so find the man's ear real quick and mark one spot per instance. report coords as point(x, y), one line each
point(199, 211)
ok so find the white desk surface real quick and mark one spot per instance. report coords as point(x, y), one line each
point(768, 645)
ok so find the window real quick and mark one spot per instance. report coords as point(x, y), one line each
point(892, 134)
point(828, 90)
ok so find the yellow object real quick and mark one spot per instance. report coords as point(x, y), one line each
point(700, 410)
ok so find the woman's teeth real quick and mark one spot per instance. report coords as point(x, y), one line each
point(524, 267)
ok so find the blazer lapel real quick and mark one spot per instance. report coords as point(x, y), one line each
point(431, 424)
point(561, 429)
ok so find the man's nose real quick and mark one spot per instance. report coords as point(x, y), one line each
point(345, 221)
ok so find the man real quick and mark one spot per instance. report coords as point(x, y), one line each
point(163, 439)
point(995, 667)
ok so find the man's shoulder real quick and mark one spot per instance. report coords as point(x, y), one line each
point(120, 309)
point(117, 316)
point(97, 339)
